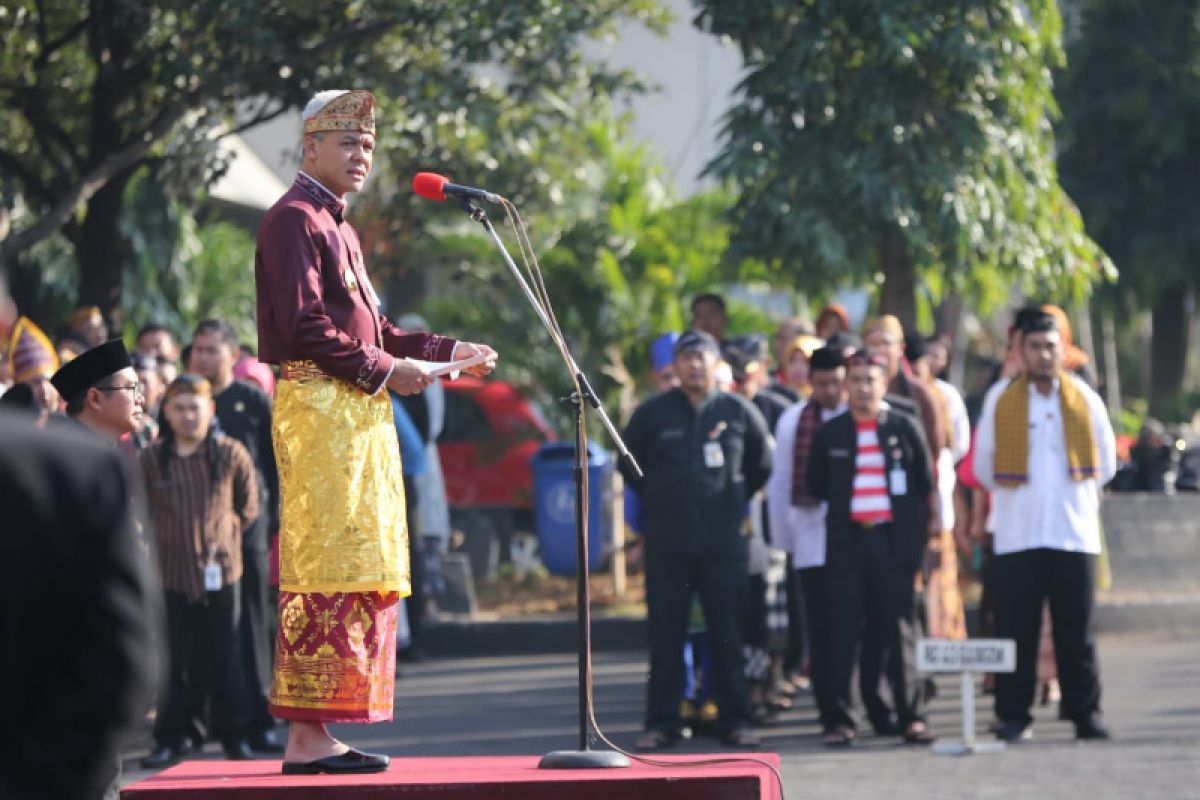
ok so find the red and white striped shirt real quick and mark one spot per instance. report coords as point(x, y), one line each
point(869, 502)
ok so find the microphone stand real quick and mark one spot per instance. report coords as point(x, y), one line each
point(584, 757)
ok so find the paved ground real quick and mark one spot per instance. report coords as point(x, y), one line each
point(527, 704)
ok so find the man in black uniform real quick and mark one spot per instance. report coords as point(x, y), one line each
point(704, 454)
point(244, 412)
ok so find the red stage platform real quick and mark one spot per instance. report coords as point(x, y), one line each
point(465, 779)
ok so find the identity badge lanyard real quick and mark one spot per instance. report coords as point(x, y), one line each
point(898, 477)
point(212, 571)
point(714, 456)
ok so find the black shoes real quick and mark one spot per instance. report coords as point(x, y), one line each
point(1091, 728)
point(266, 742)
point(351, 761)
point(1014, 732)
point(164, 755)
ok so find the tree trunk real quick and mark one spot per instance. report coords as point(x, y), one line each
point(899, 293)
point(1170, 335)
point(102, 251)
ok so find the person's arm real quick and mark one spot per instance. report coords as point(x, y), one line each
point(779, 485)
point(921, 478)
point(270, 471)
point(245, 484)
point(412, 446)
point(985, 439)
point(1102, 430)
point(757, 463)
point(960, 423)
point(635, 440)
point(818, 462)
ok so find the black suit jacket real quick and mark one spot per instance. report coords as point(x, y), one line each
point(831, 478)
point(78, 658)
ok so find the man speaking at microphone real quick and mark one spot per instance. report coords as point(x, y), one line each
point(342, 544)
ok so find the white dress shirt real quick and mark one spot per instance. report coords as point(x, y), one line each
point(1050, 509)
point(799, 531)
point(960, 428)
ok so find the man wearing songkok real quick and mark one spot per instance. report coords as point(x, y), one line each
point(1045, 448)
point(873, 469)
point(102, 391)
point(343, 562)
point(31, 361)
point(798, 518)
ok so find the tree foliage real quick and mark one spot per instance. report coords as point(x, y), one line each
point(871, 137)
point(93, 92)
point(1131, 156)
point(620, 269)
point(1131, 137)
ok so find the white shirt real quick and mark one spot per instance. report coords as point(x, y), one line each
point(960, 429)
point(1050, 509)
point(799, 531)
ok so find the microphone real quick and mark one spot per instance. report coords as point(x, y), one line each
point(435, 187)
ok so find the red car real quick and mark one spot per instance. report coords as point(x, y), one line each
point(490, 434)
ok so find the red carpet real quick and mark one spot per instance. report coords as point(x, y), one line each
point(465, 779)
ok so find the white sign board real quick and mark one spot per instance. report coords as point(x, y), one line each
point(970, 655)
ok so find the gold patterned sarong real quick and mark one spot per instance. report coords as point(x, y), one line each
point(342, 526)
point(335, 657)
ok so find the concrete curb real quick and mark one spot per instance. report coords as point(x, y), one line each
point(545, 635)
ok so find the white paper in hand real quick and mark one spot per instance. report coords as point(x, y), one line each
point(436, 369)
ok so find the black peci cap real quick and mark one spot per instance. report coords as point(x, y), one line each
point(90, 367)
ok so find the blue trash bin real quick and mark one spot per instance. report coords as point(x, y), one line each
point(554, 505)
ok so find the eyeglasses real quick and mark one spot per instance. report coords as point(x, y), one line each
point(132, 388)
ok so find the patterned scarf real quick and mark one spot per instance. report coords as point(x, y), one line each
point(1012, 432)
point(806, 426)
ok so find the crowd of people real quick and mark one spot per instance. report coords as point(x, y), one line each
point(803, 515)
point(193, 425)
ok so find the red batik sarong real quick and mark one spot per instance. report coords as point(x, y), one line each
point(335, 657)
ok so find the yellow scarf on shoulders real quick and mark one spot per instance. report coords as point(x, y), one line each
point(1012, 432)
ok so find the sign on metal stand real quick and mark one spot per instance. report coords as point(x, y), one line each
point(966, 658)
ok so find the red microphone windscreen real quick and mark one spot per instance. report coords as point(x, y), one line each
point(429, 184)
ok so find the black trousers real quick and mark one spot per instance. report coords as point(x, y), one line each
point(797, 617)
point(754, 630)
point(203, 660)
point(870, 592)
point(722, 586)
point(813, 582)
point(1022, 583)
point(254, 630)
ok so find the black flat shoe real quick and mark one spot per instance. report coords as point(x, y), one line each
point(350, 762)
point(1013, 732)
point(1091, 728)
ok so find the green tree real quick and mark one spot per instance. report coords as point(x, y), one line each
point(184, 270)
point(905, 142)
point(620, 266)
point(1131, 157)
point(93, 92)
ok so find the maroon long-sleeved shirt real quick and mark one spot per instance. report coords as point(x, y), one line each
point(315, 301)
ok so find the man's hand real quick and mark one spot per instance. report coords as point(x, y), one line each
point(407, 378)
point(469, 349)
